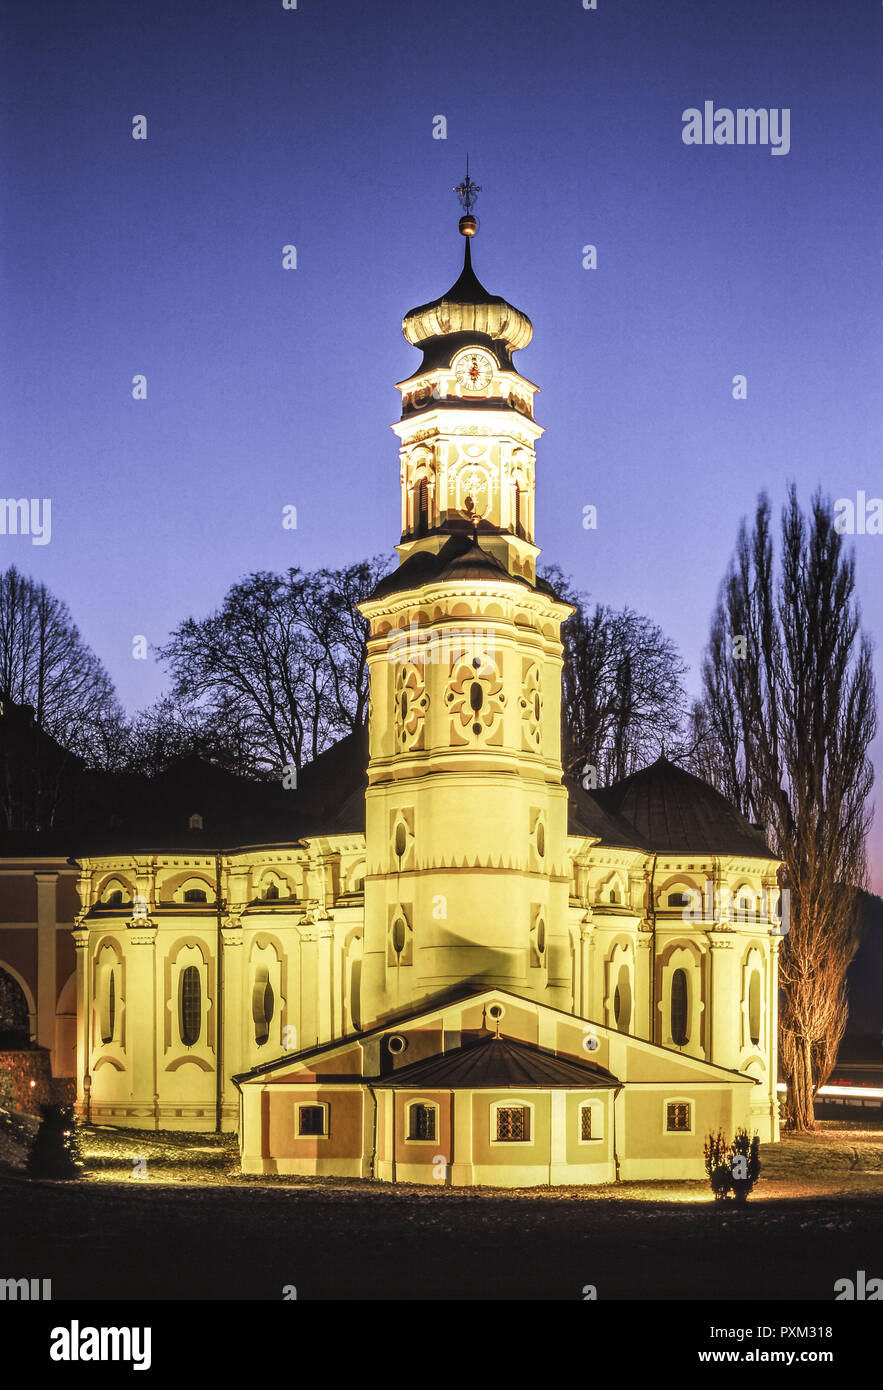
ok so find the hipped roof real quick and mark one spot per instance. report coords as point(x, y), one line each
point(499, 1063)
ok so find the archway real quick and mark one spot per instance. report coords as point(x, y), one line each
point(15, 1022)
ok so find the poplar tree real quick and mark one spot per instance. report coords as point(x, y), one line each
point(783, 729)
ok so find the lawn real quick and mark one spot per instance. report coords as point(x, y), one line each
point(194, 1227)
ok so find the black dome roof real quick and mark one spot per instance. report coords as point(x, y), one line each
point(674, 811)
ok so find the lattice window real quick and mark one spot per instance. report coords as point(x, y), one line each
point(421, 1122)
point(513, 1123)
point(677, 1115)
point(311, 1119)
point(585, 1122)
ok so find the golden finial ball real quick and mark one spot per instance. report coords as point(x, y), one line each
point(468, 225)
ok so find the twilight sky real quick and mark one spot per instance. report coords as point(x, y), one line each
point(265, 387)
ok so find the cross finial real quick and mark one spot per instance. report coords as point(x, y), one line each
point(467, 191)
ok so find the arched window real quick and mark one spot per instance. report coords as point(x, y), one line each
point(272, 892)
point(399, 935)
point(745, 907)
point(678, 900)
point(622, 1000)
point(190, 1009)
point(262, 1005)
point(109, 1006)
point(14, 1017)
point(115, 898)
point(422, 508)
point(195, 895)
point(754, 1007)
point(679, 1008)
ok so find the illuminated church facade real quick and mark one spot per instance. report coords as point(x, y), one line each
point(470, 970)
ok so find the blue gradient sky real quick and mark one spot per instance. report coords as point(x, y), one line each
point(265, 387)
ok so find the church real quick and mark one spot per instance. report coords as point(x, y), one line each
point(455, 965)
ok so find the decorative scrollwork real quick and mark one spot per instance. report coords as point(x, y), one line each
point(411, 701)
point(475, 700)
point(531, 703)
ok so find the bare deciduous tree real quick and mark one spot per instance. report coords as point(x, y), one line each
point(787, 716)
point(279, 671)
point(47, 667)
point(622, 691)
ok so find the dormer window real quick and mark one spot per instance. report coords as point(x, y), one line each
point(195, 821)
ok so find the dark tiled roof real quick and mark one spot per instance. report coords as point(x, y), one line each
point(500, 1062)
point(586, 816)
point(673, 811)
point(152, 814)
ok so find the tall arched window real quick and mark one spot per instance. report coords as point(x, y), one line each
point(754, 1007)
point(679, 1008)
point(422, 508)
point(622, 1000)
point(517, 510)
point(190, 1006)
point(109, 1006)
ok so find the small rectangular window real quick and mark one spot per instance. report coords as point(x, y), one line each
point(513, 1123)
point(677, 1116)
point(585, 1122)
point(422, 1122)
point(311, 1119)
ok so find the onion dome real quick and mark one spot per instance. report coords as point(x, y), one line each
point(468, 308)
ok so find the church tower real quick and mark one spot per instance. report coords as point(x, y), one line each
point(467, 871)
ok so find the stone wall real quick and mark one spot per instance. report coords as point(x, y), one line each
point(25, 1080)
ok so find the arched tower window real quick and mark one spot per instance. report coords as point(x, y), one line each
point(518, 510)
point(422, 508)
point(679, 1008)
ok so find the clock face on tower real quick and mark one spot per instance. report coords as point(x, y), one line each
point(473, 370)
